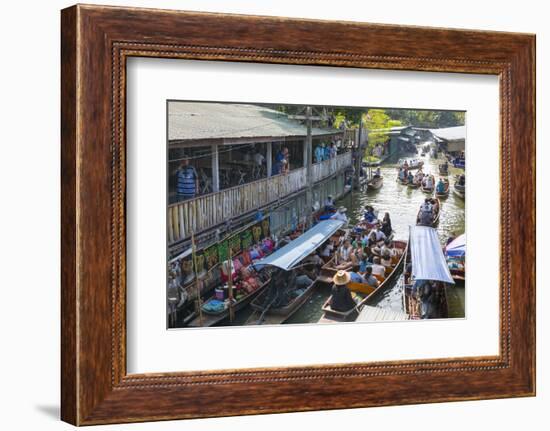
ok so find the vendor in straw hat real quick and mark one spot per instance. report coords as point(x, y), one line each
point(341, 299)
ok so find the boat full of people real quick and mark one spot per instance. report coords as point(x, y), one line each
point(429, 212)
point(294, 274)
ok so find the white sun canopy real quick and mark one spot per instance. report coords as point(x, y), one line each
point(428, 261)
point(292, 253)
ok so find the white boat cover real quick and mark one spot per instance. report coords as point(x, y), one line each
point(428, 261)
point(292, 253)
point(457, 247)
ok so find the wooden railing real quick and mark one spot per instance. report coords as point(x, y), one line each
point(203, 212)
point(325, 169)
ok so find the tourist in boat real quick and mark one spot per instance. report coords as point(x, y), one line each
point(355, 275)
point(426, 213)
point(440, 186)
point(327, 249)
point(340, 215)
point(380, 236)
point(341, 299)
point(378, 268)
point(329, 204)
point(386, 259)
point(370, 279)
point(372, 241)
point(346, 251)
point(386, 227)
point(410, 178)
point(401, 174)
point(462, 180)
point(429, 182)
point(377, 173)
point(369, 216)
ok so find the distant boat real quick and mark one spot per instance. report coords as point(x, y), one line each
point(435, 218)
point(445, 193)
point(375, 183)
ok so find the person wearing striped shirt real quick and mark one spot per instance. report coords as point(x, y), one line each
point(188, 180)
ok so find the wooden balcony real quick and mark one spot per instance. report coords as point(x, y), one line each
point(203, 212)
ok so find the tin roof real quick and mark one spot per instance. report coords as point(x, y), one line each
point(450, 133)
point(228, 122)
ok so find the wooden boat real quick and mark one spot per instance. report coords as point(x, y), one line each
point(459, 190)
point(266, 308)
point(436, 215)
point(210, 318)
point(368, 294)
point(412, 302)
point(446, 192)
point(412, 164)
point(428, 190)
point(375, 183)
point(413, 185)
point(264, 314)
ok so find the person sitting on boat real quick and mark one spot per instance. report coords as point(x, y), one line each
point(327, 249)
point(329, 204)
point(406, 165)
point(341, 299)
point(386, 226)
point(462, 180)
point(377, 173)
point(345, 251)
point(370, 279)
point(369, 216)
point(380, 236)
point(372, 241)
point(387, 248)
point(340, 215)
point(426, 213)
point(355, 275)
point(401, 174)
point(386, 260)
point(440, 186)
point(377, 268)
point(410, 178)
point(429, 182)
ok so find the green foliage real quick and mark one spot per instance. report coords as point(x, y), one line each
point(429, 119)
point(374, 121)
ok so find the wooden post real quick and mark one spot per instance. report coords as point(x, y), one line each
point(215, 169)
point(230, 288)
point(269, 158)
point(197, 284)
point(309, 156)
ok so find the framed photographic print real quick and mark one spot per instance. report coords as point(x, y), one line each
point(252, 205)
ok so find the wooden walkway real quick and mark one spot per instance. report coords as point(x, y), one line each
point(377, 314)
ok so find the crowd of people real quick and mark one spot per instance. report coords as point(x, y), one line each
point(366, 256)
point(324, 152)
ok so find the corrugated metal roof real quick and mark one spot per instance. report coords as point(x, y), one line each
point(197, 120)
point(450, 133)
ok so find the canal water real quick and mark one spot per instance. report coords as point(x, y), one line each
point(402, 203)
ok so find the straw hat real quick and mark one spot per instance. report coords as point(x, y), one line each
point(341, 278)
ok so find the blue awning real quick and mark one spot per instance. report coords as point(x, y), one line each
point(428, 261)
point(292, 253)
point(457, 247)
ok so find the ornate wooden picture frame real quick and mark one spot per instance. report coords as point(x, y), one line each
point(96, 42)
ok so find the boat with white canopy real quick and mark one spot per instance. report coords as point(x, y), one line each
point(426, 275)
point(285, 296)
